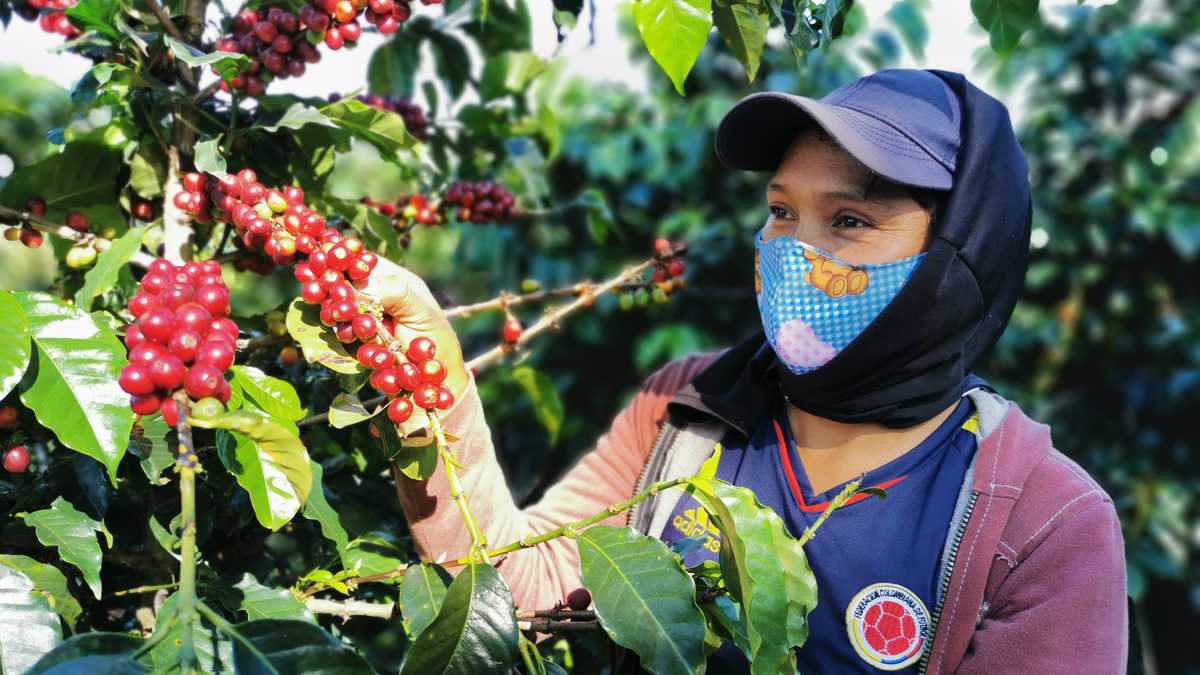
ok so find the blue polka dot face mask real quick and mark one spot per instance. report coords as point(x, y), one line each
point(813, 304)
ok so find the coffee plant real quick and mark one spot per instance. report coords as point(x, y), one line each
point(205, 408)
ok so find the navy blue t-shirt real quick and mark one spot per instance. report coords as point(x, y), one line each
point(875, 560)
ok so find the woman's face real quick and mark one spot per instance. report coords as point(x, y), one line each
point(819, 195)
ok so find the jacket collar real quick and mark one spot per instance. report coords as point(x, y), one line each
point(740, 386)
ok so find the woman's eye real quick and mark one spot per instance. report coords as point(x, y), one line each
point(849, 222)
point(778, 212)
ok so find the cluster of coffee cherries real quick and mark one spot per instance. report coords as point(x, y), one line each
point(182, 338)
point(16, 458)
point(481, 202)
point(50, 15)
point(415, 121)
point(281, 43)
point(667, 277)
point(82, 255)
point(410, 377)
point(330, 268)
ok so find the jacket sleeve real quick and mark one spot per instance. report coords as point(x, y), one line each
point(1062, 608)
point(542, 575)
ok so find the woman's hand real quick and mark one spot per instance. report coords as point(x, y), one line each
point(406, 298)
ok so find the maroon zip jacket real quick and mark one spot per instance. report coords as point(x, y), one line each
point(1033, 576)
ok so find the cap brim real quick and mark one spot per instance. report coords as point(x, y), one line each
point(756, 132)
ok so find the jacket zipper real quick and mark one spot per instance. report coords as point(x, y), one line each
point(944, 584)
point(653, 465)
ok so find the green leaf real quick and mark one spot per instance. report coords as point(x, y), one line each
point(766, 572)
point(743, 26)
point(276, 397)
point(1005, 20)
point(14, 335)
point(451, 60)
point(147, 174)
point(209, 158)
point(103, 274)
point(214, 650)
point(546, 403)
point(374, 553)
point(645, 601)
point(252, 294)
point(91, 654)
point(227, 64)
point(422, 595)
point(160, 457)
point(417, 462)
point(168, 540)
point(295, 648)
point(48, 583)
point(264, 602)
point(674, 32)
point(31, 628)
point(82, 174)
point(318, 343)
point(73, 388)
point(271, 471)
point(599, 216)
point(97, 15)
point(385, 130)
point(297, 115)
point(475, 631)
point(347, 410)
point(73, 533)
point(393, 66)
point(317, 508)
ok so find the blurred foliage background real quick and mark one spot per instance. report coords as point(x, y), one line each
point(1104, 347)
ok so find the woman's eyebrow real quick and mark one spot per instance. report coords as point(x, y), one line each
point(843, 194)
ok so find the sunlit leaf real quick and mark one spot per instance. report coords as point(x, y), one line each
point(475, 631)
point(674, 32)
point(104, 273)
point(73, 389)
point(73, 533)
point(645, 601)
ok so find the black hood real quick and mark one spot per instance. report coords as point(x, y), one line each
point(914, 359)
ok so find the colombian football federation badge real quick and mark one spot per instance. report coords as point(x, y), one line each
point(888, 626)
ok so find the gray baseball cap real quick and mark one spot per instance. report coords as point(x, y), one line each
point(903, 124)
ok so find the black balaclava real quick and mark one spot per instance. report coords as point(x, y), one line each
point(913, 360)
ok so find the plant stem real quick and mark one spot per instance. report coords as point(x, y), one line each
point(188, 464)
point(18, 218)
point(349, 608)
point(571, 529)
point(457, 493)
point(147, 589)
point(554, 318)
point(177, 224)
point(838, 501)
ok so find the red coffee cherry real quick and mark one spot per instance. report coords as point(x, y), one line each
point(16, 459)
point(421, 349)
point(365, 326)
point(215, 352)
point(135, 379)
point(399, 410)
point(202, 380)
point(147, 404)
point(386, 381)
point(9, 417)
point(77, 221)
point(426, 396)
point(433, 372)
point(167, 373)
point(579, 599)
point(512, 330)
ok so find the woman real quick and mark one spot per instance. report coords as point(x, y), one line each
point(894, 249)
